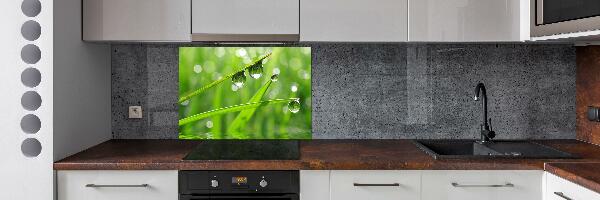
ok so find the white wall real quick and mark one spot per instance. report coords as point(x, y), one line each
point(23, 177)
point(82, 109)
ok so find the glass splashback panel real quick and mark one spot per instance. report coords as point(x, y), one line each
point(245, 93)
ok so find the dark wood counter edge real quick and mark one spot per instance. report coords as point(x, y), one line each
point(341, 155)
point(559, 170)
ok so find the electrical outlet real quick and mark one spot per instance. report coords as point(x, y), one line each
point(135, 112)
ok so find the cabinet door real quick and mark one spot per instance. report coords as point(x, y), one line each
point(117, 185)
point(468, 21)
point(136, 20)
point(354, 20)
point(560, 189)
point(482, 185)
point(375, 185)
point(314, 185)
point(245, 20)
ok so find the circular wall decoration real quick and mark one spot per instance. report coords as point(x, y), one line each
point(31, 8)
point(31, 30)
point(31, 124)
point(31, 77)
point(31, 100)
point(31, 147)
point(31, 54)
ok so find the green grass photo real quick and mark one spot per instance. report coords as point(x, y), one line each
point(245, 93)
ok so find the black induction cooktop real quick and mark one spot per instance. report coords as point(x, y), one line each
point(245, 150)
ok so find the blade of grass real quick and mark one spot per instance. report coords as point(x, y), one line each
point(214, 83)
point(242, 118)
point(229, 109)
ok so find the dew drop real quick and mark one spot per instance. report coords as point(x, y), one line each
point(234, 88)
point(241, 52)
point(294, 105)
point(275, 77)
point(197, 68)
point(220, 52)
point(238, 79)
point(306, 75)
point(185, 103)
point(276, 70)
point(209, 124)
point(256, 70)
point(294, 88)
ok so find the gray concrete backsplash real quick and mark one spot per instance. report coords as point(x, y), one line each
point(383, 91)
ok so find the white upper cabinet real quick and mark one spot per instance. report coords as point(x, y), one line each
point(245, 20)
point(354, 20)
point(136, 20)
point(468, 20)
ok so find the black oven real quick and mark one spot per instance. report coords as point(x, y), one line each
point(237, 185)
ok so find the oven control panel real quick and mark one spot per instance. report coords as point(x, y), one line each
point(234, 182)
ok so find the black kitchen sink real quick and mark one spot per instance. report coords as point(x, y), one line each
point(471, 149)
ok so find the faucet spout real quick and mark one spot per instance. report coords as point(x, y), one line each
point(486, 133)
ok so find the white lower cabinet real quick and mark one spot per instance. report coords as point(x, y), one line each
point(117, 185)
point(482, 185)
point(560, 189)
point(375, 185)
point(314, 184)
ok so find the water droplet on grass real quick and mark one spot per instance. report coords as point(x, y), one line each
point(185, 103)
point(294, 88)
point(238, 79)
point(197, 68)
point(234, 88)
point(209, 124)
point(276, 71)
point(219, 52)
point(294, 105)
point(256, 70)
point(241, 52)
point(274, 77)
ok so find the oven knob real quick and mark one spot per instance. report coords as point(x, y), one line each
point(263, 183)
point(214, 183)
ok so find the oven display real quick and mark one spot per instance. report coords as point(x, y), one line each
point(239, 180)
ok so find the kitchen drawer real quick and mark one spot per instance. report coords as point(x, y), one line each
point(482, 185)
point(162, 185)
point(395, 185)
point(556, 186)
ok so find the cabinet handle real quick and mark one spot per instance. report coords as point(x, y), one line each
point(376, 184)
point(115, 186)
point(468, 186)
point(562, 195)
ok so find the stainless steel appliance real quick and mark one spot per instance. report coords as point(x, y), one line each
point(238, 185)
point(552, 17)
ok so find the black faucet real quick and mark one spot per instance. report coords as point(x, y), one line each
point(487, 134)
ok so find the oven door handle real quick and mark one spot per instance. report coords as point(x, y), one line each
point(285, 196)
point(253, 197)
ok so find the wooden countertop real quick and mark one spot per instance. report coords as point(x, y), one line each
point(584, 174)
point(314, 155)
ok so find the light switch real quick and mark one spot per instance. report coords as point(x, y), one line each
point(135, 112)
